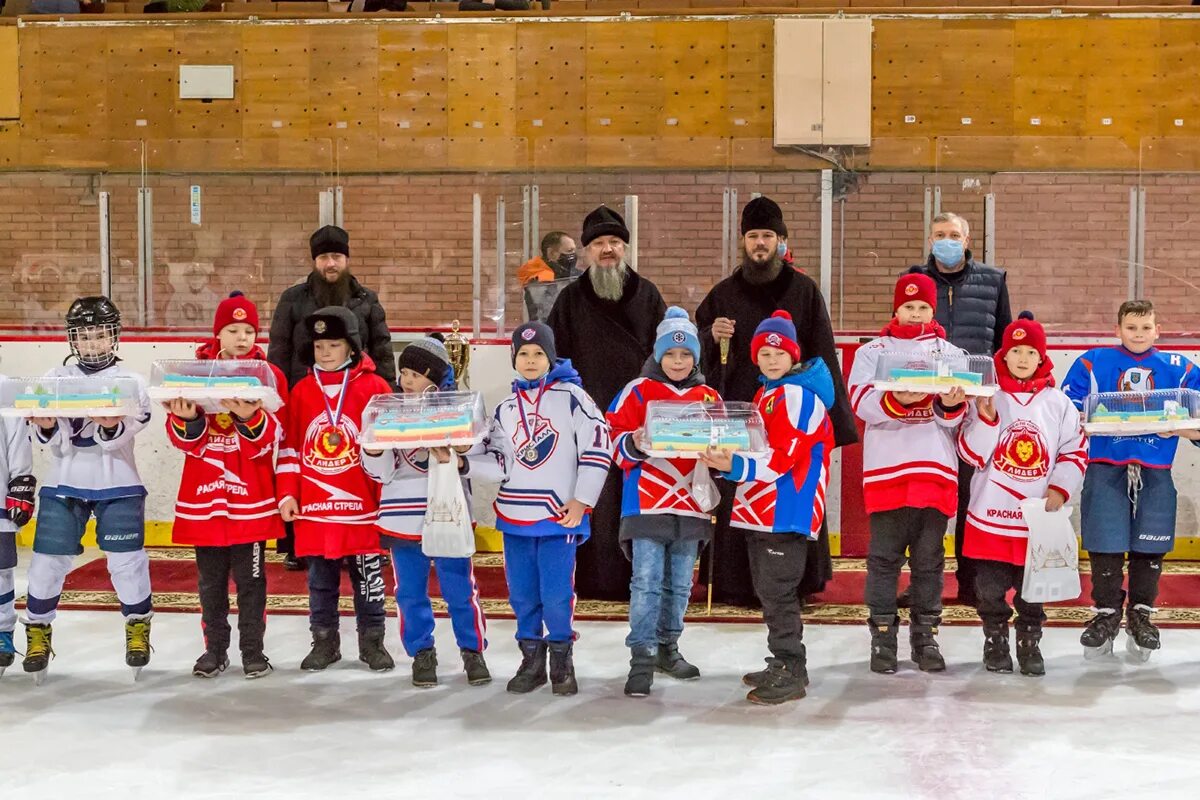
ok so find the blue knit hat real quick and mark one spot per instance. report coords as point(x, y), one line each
point(676, 330)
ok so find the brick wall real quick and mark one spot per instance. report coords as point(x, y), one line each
point(1063, 238)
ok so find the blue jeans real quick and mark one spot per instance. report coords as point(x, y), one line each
point(659, 591)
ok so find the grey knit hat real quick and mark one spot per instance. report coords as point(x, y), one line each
point(427, 356)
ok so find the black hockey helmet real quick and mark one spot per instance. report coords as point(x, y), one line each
point(91, 320)
point(87, 312)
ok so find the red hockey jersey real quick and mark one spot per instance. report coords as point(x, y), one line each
point(653, 485)
point(227, 492)
point(338, 500)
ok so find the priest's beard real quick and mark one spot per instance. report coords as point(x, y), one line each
point(761, 272)
point(608, 282)
point(332, 294)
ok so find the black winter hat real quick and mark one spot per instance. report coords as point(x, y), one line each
point(330, 239)
point(333, 322)
point(763, 214)
point(534, 332)
point(427, 356)
point(603, 222)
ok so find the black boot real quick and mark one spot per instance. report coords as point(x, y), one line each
point(669, 662)
point(760, 677)
point(1142, 637)
point(255, 664)
point(326, 650)
point(476, 667)
point(922, 631)
point(1101, 631)
point(997, 655)
point(641, 672)
point(424, 669)
point(532, 672)
point(372, 652)
point(784, 682)
point(883, 644)
point(1029, 654)
point(211, 664)
point(562, 668)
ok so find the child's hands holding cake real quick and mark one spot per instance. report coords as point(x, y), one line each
point(45, 423)
point(242, 409)
point(572, 514)
point(953, 398)
point(720, 460)
point(986, 407)
point(184, 409)
point(108, 422)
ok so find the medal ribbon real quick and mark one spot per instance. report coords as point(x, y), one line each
point(332, 415)
point(537, 401)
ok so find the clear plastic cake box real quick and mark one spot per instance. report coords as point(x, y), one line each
point(1133, 413)
point(74, 396)
point(679, 429)
point(208, 382)
point(935, 373)
point(433, 419)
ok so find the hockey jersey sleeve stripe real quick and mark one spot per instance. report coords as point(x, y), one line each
point(972, 457)
point(219, 514)
point(912, 466)
point(996, 525)
point(221, 500)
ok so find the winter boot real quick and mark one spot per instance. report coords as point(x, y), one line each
point(39, 649)
point(532, 672)
point(137, 643)
point(476, 667)
point(641, 671)
point(669, 662)
point(424, 669)
point(1141, 635)
point(997, 655)
point(1097, 638)
point(372, 652)
point(8, 651)
point(326, 650)
point(921, 637)
point(784, 682)
point(1029, 654)
point(211, 664)
point(562, 668)
point(255, 665)
point(883, 644)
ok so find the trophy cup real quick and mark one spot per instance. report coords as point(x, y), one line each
point(458, 347)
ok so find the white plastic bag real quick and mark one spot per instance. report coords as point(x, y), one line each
point(447, 531)
point(1051, 555)
point(704, 489)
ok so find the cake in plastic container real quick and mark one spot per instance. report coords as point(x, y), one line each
point(69, 396)
point(433, 419)
point(935, 373)
point(208, 382)
point(1128, 413)
point(682, 429)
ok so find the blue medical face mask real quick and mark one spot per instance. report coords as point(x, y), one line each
point(948, 251)
point(781, 249)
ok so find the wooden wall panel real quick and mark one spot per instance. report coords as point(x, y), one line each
point(481, 75)
point(10, 90)
point(215, 119)
point(551, 93)
point(275, 82)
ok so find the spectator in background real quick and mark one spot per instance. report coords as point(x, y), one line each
point(972, 305)
point(557, 262)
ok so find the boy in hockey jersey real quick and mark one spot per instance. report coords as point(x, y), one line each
point(910, 477)
point(92, 473)
point(16, 464)
point(333, 503)
point(1025, 443)
point(425, 367)
point(662, 523)
point(551, 454)
point(780, 500)
point(1128, 501)
point(227, 508)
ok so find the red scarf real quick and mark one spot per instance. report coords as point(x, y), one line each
point(211, 351)
point(1040, 379)
point(898, 331)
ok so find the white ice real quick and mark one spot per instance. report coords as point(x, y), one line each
point(1086, 730)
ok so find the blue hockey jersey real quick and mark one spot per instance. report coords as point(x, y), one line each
point(1115, 369)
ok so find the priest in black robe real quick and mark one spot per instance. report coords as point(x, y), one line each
point(605, 322)
point(761, 285)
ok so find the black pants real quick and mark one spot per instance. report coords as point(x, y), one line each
point(602, 572)
point(366, 580)
point(1107, 577)
point(965, 572)
point(993, 579)
point(246, 563)
point(776, 569)
point(286, 544)
point(920, 531)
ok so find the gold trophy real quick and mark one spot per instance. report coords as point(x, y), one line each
point(458, 347)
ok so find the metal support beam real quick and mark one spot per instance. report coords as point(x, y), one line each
point(1140, 264)
point(145, 281)
point(928, 223)
point(501, 253)
point(339, 218)
point(989, 229)
point(476, 260)
point(827, 236)
point(631, 222)
point(325, 209)
point(725, 216)
point(1131, 269)
point(525, 209)
point(105, 245)
point(535, 222)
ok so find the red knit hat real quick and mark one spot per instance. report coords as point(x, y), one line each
point(777, 331)
point(235, 308)
point(914, 286)
point(1025, 330)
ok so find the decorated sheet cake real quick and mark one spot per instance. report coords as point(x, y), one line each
point(434, 419)
point(1130, 413)
point(74, 396)
point(207, 383)
point(676, 429)
point(933, 373)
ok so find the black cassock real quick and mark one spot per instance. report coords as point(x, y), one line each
point(608, 342)
point(748, 304)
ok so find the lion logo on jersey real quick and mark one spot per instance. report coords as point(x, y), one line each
point(1136, 379)
point(534, 451)
point(221, 434)
point(1022, 453)
point(330, 450)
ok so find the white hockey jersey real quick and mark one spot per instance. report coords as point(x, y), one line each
point(18, 458)
point(405, 496)
point(88, 464)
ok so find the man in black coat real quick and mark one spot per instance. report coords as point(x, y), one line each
point(760, 286)
point(604, 322)
point(973, 308)
point(329, 284)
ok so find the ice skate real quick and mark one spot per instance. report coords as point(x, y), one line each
point(475, 667)
point(1141, 635)
point(1097, 638)
point(996, 654)
point(532, 672)
point(883, 644)
point(137, 644)
point(210, 664)
point(38, 650)
point(8, 651)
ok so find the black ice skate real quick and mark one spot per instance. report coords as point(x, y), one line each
point(1097, 638)
point(532, 672)
point(210, 664)
point(137, 644)
point(38, 650)
point(326, 650)
point(996, 654)
point(669, 662)
point(8, 651)
point(1141, 635)
point(372, 652)
point(424, 669)
point(476, 668)
point(884, 646)
point(562, 669)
